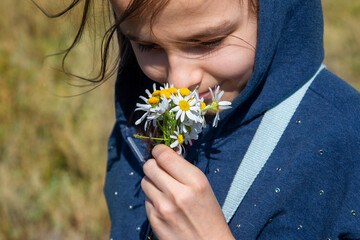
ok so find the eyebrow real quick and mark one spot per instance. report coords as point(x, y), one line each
point(223, 29)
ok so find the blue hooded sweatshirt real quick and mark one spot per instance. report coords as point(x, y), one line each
point(284, 162)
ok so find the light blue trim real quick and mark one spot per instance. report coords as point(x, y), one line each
point(136, 150)
point(264, 142)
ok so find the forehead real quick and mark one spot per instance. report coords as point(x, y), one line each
point(190, 6)
point(183, 15)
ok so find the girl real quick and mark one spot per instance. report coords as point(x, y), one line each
point(283, 163)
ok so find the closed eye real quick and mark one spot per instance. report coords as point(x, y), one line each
point(195, 46)
point(213, 43)
point(147, 47)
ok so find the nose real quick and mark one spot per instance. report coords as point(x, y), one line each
point(183, 72)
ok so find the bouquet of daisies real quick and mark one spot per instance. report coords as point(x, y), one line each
point(178, 113)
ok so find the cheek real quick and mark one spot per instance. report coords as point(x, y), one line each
point(231, 63)
point(153, 65)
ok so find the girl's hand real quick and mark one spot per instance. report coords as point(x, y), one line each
point(180, 203)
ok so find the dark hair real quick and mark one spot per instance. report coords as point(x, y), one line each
point(136, 8)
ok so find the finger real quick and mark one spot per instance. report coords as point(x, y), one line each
point(149, 207)
point(152, 214)
point(154, 195)
point(157, 205)
point(176, 166)
point(159, 178)
point(150, 190)
point(158, 226)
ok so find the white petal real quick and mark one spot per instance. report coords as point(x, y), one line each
point(175, 99)
point(141, 109)
point(143, 98)
point(154, 123)
point(191, 116)
point(196, 109)
point(182, 116)
point(177, 131)
point(197, 94)
point(220, 95)
point(193, 102)
point(153, 116)
point(146, 106)
point(148, 93)
point(178, 114)
point(145, 125)
point(224, 103)
point(216, 119)
point(175, 109)
point(141, 119)
point(212, 95)
point(138, 122)
point(174, 144)
point(183, 127)
point(186, 98)
point(217, 89)
point(224, 107)
point(165, 86)
point(180, 148)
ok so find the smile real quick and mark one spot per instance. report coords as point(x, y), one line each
point(206, 95)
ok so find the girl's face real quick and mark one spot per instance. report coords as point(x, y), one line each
point(196, 43)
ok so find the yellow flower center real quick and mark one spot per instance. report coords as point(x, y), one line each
point(153, 100)
point(184, 91)
point(184, 105)
point(203, 105)
point(172, 90)
point(165, 93)
point(215, 106)
point(156, 93)
point(180, 138)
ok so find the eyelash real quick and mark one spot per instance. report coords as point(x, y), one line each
point(213, 43)
point(209, 45)
point(146, 47)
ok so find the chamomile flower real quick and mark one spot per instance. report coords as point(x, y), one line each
point(156, 111)
point(186, 106)
point(148, 107)
point(143, 107)
point(192, 132)
point(162, 106)
point(179, 114)
point(151, 118)
point(216, 96)
point(218, 105)
point(179, 139)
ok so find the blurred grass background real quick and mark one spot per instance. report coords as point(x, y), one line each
point(53, 149)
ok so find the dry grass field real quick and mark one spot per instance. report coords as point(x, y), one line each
point(53, 147)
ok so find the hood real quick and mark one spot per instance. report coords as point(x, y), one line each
point(289, 51)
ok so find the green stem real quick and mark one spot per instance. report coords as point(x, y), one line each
point(144, 137)
point(213, 106)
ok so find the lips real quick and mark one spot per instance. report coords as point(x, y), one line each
point(206, 95)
